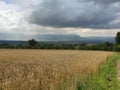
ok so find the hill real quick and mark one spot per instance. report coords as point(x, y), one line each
point(52, 38)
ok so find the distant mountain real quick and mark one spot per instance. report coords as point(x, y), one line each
point(6, 36)
point(57, 37)
point(99, 39)
point(53, 38)
point(72, 38)
point(40, 37)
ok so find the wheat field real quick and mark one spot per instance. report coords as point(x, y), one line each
point(47, 69)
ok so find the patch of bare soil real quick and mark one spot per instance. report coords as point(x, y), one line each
point(118, 69)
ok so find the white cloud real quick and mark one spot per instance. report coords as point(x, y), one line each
point(12, 20)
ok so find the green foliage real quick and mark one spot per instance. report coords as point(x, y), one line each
point(104, 79)
point(117, 38)
point(32, 42)
point(116, 48)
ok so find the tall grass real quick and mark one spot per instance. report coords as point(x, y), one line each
point(104, 79)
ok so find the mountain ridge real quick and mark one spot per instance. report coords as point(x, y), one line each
point(55, 38)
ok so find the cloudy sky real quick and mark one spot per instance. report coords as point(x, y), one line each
point(82, 17)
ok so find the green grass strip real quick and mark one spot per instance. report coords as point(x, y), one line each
point(104, 79)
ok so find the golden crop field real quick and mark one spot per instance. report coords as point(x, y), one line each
point(47, 69)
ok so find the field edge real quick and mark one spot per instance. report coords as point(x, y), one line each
point(105, 79)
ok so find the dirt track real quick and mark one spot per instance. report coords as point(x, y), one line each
point(118, 69)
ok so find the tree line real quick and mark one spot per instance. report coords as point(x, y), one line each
point(33, 44)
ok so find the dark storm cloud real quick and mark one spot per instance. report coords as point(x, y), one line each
point(76, 13)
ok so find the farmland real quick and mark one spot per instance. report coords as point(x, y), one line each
point(47, 69)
